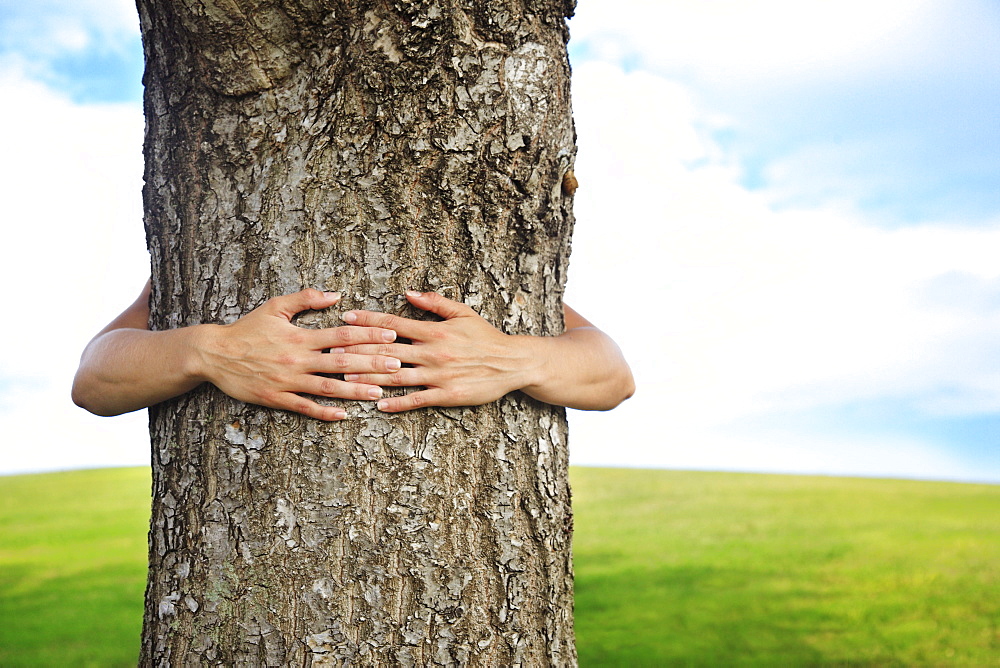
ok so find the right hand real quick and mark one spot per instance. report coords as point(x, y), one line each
point(264, 359)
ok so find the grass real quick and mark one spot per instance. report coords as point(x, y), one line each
point(682, 568)
point(73, 567)
point(673, 568)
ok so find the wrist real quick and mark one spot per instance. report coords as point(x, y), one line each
point(202, 343)
point(535, 370)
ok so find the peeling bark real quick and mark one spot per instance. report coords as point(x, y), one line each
point(370, 148)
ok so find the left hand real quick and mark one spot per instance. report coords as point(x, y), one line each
point(462, 360)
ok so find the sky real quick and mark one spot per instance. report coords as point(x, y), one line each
point(788, 217)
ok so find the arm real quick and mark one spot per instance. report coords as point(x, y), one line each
point(583, 368)
point(262, 358)
point(465, 361)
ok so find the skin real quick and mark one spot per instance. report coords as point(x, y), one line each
point(264, 359)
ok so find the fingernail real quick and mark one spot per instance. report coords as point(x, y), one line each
point(350, 317)
point(392, 364)
point(339, 415)
point(388, 336)
point(332, 295)
point(382, 405)
point(375, 393)
point(351, 376)
point(337, 351)
point(412, 293)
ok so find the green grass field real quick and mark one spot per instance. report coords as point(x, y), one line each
point(673, 568)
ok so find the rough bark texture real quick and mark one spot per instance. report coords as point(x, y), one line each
point(367, 147)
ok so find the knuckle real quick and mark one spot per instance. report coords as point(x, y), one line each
point(416, 400)
point(328, 387)
point(459, 396)
point(304, 406)
point(387, 321)
point(442, 357)
point(342, 361)
point(267, 397)
point(311, 294)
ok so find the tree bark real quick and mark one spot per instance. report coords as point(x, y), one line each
point(366, 147)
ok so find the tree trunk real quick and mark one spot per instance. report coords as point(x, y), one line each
point(366, 147)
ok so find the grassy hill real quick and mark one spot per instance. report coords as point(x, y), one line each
point(673, 568)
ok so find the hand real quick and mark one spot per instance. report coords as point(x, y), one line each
point(263, 358)
point(462, 361)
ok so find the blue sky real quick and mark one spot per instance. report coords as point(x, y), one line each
point(789, 217)
point(908, 126)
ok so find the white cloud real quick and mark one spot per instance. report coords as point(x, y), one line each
point(728, 308)
point(890, 105)
point(71, 183)
point(44, 431)
point(73, 256)
point(632, 440)
point(52, 27)
point(755, 44)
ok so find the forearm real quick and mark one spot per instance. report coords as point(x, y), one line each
point(123, 370)
point(582, 368)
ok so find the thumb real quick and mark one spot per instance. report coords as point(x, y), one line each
point(435, 303)
point(287, 306)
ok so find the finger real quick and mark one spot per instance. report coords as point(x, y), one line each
point(339, 389)
point(413, 400)
point(354, 363)
point(409, 329)
point(408, 354)
point(299, 404)
point(287, 306)
point(338, 337)
point(402, 378)
point(442, 306)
